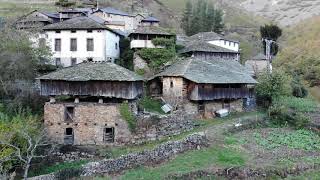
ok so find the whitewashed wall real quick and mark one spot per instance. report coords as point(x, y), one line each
point(226, 44)
point(100, 52)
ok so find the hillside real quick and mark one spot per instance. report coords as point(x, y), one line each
point(300, 50)
point(284, 12)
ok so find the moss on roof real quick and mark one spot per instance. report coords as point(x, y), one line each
point(93, 71)
point(209, 71)
point(150, 30)
point(201, 46)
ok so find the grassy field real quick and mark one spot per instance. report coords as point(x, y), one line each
point(19, 8)
point(188, 162)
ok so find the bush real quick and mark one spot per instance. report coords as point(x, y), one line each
point(158, 57)
point(291, 111)
point(65, 3)
point(127, 115)
point(151, 105)
point(273, 86)
point(298, 90)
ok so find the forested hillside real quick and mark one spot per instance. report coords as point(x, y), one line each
point(300, 51)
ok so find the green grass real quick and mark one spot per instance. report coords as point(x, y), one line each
point(57, 167)
point(300, 139)
point(128, 116)
point(151, 105)
point(298, 104)
point(188, 162)
point(310, 175)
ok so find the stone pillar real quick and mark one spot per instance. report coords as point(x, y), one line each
point(76, 100)
point(100, 101)
point(52, 99)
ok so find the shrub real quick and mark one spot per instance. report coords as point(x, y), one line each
point(65, 3)
point(291, 111)
point(151, 105)
point(158, 57)
point(298, 90)
point(273, 86)
point(127, 115)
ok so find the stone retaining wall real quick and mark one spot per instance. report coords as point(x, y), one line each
point(147, 157)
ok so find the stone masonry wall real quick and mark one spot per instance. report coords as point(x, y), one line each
point(90, 120)
point(147, 157)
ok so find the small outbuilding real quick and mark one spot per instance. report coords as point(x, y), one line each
point(203, 86)
point(85, 101)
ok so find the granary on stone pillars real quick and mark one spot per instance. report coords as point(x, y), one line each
point(85, 101)
point(203, 86)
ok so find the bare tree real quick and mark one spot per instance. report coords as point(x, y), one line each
point(34, 143)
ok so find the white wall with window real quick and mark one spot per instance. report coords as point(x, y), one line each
point(73, 47)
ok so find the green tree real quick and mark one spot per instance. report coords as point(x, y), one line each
point(187, 16)
point(271, 32)
point(273, 86)
point(201, 16)
point(21, 139)
point(20, 63)
point(126, 54)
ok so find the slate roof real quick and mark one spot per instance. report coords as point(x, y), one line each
point(201, 46)
point(150, 19)
point(111, 10)
point(209, 71)
point(52, 15)
point(77, 23)
point(260, 56)
point(150, 30)
point(209, 36)
point(93, 71)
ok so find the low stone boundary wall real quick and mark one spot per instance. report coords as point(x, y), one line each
point(147, 157)
point(160, 154)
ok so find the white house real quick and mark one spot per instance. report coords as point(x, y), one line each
point(142, 37)
point(81, 39)
point(216, 39)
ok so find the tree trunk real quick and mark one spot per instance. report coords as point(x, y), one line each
point(26, 169)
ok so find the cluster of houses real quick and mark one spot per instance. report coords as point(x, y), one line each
point(85, 42)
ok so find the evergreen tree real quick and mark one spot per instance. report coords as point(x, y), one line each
point(187, 16)
point(272, 32)
point(201, 17)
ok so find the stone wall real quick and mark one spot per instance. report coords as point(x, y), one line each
point(154, 127)
point(89, 123)
point(147, 157)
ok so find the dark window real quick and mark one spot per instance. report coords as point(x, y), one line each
point(69, 113)
point(42, 42)
point(90, 45)
point(108, 135)
point(73, 44)
point(58, 31)
point(58, 62)
point(229, 43)
point(171, 84)
point(57, 45)
point(73, 61)
point(116, 45)
point(225, 42)
point(89, 59)
point(89, 31)
point(69, 131)
point(226, 104)
point(73, 31)
point(201, 107)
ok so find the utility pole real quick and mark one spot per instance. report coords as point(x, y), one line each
point(268, 54)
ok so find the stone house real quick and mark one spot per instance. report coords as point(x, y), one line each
point(216, 39)
point(85, 101)
point(81, 39)
point(36, 20)
point(142, 37)
point(203, 86)
point(257, 64)
point(205, 50)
